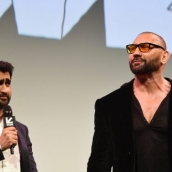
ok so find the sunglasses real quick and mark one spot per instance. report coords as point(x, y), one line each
point(143, 47)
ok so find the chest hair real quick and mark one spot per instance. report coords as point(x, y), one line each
point(150, 104)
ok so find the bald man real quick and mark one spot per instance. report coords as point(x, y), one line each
point(133, 124)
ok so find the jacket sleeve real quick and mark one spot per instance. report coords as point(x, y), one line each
point(27, 161)
point(1, 155)
point(101, 157)
point(32, 161)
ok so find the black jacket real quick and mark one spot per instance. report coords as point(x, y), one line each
point(27, 161)
point(113, 141)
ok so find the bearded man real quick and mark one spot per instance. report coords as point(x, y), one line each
point(133, 124)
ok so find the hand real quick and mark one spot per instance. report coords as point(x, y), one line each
point(8, 138)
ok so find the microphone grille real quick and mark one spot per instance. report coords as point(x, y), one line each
point(7, 111)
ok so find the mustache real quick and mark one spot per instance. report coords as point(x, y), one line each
point(4, 94)
point(138, 59)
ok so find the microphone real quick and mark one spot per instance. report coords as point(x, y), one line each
point(9, 121)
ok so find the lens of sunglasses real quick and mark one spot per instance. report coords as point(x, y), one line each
point(144, 47)
point(131, 48)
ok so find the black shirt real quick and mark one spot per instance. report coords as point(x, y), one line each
point(151, 139)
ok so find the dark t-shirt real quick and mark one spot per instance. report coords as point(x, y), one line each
point(151, 139)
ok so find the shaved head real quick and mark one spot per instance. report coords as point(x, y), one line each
point(162, 41)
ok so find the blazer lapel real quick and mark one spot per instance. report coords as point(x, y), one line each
point(124, 149)
point(170, 124)
point(24, 156)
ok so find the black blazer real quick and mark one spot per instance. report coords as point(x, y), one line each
point(113, 141)
point(27, 161)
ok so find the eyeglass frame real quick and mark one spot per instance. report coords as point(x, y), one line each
point(150, 44)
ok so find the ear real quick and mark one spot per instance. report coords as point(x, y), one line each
point(165, 57)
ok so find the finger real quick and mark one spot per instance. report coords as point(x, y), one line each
point(9, 129)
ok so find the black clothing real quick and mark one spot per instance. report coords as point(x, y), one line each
point(151, 139)
point(113, 142)
point(27, 161)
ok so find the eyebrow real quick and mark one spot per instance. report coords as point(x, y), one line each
point(5, 80)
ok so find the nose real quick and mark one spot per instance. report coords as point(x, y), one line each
point(4, 88)
point(136, 55)
point(137, 51)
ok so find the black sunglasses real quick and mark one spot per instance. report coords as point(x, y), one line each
point(143, 47)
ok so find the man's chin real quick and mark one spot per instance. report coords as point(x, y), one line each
point(3, 104)
point(138, 72)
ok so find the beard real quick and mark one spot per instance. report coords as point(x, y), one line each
point(4, 102)
point(145, 67)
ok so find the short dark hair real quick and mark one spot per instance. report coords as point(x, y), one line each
point(6, 67)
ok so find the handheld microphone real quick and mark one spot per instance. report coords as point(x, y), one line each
point(9, 121)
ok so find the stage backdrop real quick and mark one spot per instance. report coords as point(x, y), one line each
point(63, 65)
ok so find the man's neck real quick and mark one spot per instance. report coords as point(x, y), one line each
point(151, 84)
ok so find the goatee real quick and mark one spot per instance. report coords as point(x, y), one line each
point(6, 102)
point(145, 66)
